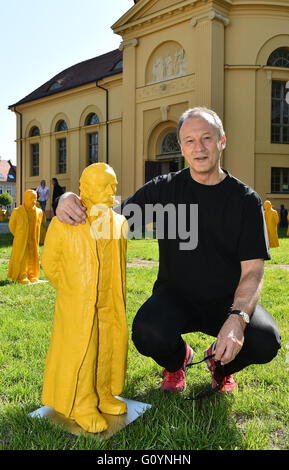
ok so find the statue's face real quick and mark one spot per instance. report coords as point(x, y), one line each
point(30, 198)
point(101, 188)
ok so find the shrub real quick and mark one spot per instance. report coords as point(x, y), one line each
point(6, 199)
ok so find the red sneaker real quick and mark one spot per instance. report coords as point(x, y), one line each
point(228, 383)
point(176, 381)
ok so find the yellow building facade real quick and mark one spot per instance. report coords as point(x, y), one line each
point(229, 55)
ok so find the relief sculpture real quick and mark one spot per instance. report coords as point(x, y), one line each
point(166, 67)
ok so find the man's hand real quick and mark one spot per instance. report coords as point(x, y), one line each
point(70, 210)
point(230, 339)
point(231, 336)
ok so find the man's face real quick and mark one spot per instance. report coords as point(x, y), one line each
point(30, 199)
point(201, 146)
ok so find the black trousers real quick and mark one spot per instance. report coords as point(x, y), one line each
point(167, 314)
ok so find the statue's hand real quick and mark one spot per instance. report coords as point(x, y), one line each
point(70, 210)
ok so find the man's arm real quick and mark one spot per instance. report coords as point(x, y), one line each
point(70, 210)
point(52, 250)
point(231, 336)
point(13, 222)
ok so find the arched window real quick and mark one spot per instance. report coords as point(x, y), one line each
point(34, 156)
point(34, 131)
point(61, 126)
point(279, 113)
point(61, 143)
point(279, 58)
point(92, 148)
point(61, 147)
point(34, 152)
point(91, 119)
point(169, 143)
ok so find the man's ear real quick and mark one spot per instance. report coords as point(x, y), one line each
point(223, 142)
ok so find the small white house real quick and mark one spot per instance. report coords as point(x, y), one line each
point(8, 180)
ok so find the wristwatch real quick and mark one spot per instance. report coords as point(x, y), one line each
point(242, 314)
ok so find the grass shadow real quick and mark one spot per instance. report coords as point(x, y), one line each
point(5, 282)
point(19, 431)
point(175, 422)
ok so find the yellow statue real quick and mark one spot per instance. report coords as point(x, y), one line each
point(43, 226)
point(86, 362)
point(272, 220)
point(25, 222)
point(3, 215)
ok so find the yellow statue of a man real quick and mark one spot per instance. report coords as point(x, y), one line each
point(43, 226)
point(86, 361)
point(24, 224)
point(272, 220)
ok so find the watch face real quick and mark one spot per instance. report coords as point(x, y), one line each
point(246, 317)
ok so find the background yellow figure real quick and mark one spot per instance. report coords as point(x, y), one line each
point(3, 215)
point(272, 220)
point(86, 362)
point(24, 224)
point(43, 226)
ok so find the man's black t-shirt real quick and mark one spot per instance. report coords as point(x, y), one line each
point(230, 229)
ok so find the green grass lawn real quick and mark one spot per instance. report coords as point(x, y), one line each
point(254, 419)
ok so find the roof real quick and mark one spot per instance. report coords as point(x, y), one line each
point(82, 73)
point(7, 172)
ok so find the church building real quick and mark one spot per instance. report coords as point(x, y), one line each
point(123, 107)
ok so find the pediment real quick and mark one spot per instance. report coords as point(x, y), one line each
point(148, 9)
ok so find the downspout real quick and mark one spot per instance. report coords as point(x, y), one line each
point(21, 152)
point(106, 121)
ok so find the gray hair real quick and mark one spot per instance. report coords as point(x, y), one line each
point(200, 111)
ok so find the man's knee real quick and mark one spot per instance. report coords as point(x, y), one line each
point(145, 336)
point(152, 336)
point(264, 338)
point(269, 346)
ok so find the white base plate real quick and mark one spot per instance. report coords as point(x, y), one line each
point(33, 283)
point(115, 423)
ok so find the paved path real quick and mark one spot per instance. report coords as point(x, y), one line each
point(4, 227)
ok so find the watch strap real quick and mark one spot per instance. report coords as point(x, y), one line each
point(242, 314)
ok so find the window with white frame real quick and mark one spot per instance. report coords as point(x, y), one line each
point(279, 114)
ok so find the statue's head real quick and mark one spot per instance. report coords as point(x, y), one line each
point(30, 198)
point(98, 185)
point(267, 205)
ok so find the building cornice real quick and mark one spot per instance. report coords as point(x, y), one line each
point(262, 3)
point(133, 42)
point(130, 21)
point(256, 7)
point(212, 14)
point(242, 67)
point(127, 21)
point(133, 23)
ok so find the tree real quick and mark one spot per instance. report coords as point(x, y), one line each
point(6, 199)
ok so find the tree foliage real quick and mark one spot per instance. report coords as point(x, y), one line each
point(6, 199)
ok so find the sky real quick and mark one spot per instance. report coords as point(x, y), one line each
point(40, 39)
